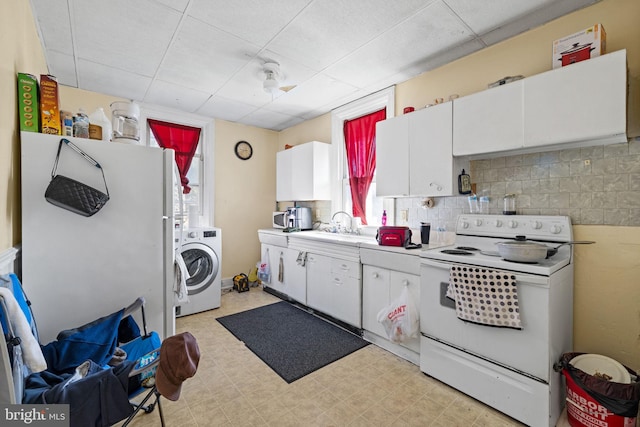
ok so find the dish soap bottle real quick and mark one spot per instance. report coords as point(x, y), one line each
point(384, 218)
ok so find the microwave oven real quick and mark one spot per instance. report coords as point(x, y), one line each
point(279, 220)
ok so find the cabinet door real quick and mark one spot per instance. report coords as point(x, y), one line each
point(578, 102)
point(295, 276)
point(489, 121)
point(319, 288)
point(398, 281)
point(284, 189)
point(392, 156)
point(375, 296)
point(430, 157)
point(346, 301)
point(276, 253)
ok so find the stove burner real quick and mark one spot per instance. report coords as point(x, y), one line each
point(456, 252)
point(467, 248)
point(520, 262)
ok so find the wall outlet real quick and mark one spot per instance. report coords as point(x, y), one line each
point(404, 215)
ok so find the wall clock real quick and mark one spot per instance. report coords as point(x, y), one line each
point(243, 150)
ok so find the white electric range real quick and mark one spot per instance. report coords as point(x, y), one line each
point(508, 369)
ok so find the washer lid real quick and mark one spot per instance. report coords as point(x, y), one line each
point(597, 363)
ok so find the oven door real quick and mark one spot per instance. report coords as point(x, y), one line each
point(526, 350)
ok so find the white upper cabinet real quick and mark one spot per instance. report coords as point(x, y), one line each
point(414, 155)
point(302, 172)
point(392, 156)
point(489, 121)
point(431, 163)
point(585, 101)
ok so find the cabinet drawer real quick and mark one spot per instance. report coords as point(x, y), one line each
point(345, 268)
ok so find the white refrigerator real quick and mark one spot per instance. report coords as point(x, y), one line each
point(76, 269)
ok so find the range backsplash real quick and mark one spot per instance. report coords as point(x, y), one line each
point(596, 185)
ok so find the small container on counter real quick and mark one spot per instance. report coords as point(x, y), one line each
point(425, 231)
point(483, 204)
point(509, 204)
point(473, 204)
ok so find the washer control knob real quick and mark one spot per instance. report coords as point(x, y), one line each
point(537, 225)
point(497, 223)
point(556, 229)
point(192, 234)
point(464, 224)
point(513, 224)
point(478, 222)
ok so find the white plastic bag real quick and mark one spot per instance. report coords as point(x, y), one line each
point(264, 271)
point(400, 319)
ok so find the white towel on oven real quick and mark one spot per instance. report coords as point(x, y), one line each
point(485, 296)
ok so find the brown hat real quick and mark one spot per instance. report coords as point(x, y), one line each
point(179, 357)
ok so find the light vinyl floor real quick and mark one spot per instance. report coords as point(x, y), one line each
point(370, 387)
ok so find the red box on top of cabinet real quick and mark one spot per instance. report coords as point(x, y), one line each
point(585, 44)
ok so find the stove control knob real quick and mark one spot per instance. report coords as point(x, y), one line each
point(464, 224)
point(536, 225)
point(478, 222)
point(497, 223)
point(556, 229)
point(513, 224)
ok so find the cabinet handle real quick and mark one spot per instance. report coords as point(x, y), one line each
point(405, 282)
point(375, 275)
point(438, 187)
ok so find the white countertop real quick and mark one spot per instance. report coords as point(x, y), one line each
point(361, 240)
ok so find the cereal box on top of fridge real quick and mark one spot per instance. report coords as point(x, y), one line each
point(49, 105)
point(28, 103)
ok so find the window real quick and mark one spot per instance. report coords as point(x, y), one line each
point(341, 191)
point(200, 172)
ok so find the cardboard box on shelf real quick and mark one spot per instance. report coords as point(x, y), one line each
point(585, 44)
point(28, 105)
point(49, 105)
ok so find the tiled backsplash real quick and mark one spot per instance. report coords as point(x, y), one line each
point(594, 185)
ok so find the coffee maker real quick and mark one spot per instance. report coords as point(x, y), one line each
point(299, 218)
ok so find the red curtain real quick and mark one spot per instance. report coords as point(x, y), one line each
point(360, 142)
point(183, 140)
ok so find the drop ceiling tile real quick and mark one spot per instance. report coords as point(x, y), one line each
point(52, 17)
point(431, 31)
point(330, 29)
point(112, 81)
point(204, 58)
point(484, 16)
point(118, 39)
point(534, 19)
point(268, 119)
point(63, 68)
point(226, 109)
point(179, 5)
point(316, 92)
point(256, 21)
point(174, 96)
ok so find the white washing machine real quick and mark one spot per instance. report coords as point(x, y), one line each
point(201, 251)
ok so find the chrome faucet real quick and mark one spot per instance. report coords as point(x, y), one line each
point(338, 229)
point(340, 212)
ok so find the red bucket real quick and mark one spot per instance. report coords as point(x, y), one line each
point(596, 402)
point(584, 411)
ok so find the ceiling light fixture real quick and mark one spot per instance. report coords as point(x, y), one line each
point(272, 75)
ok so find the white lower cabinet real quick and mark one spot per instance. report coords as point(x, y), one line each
point(288, 277)
point(334, 288)
point(380, 286)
